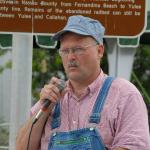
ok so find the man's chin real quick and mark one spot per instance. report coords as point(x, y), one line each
point(73, 75)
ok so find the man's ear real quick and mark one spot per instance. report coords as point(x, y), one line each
point(100, 50)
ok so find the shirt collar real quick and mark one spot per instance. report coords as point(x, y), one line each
point(96, 84)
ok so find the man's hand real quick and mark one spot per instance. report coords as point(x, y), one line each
point(51, 90)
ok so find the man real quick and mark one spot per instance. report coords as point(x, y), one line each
point(94, 111)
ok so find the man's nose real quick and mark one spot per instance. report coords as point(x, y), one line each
point(71, 54)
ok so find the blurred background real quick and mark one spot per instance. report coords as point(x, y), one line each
point(23, 75)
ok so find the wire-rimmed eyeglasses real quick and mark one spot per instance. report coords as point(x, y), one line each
point(77, 50)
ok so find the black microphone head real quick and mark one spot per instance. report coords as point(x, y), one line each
point(61, 85)
point(46, 103)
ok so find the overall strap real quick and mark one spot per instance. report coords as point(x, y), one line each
point(98, 106)
point(55, 123)
point(95, 116)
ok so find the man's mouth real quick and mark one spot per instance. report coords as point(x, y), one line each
point(72, 67)
point(73, 64)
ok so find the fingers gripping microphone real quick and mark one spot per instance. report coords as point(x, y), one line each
point(47, 102)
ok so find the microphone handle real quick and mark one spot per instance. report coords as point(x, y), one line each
point(47, 102)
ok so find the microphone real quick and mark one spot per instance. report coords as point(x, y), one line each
point(47, 102)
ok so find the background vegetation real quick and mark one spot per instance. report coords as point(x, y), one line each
point(47, 63)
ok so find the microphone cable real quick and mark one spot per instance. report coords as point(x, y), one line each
point(46, 104)
point(35, 119)
point(30, 135)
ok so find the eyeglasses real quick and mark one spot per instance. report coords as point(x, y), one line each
point(78, 50)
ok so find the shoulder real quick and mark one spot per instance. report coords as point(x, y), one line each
point(130, 115)
point(124, 87)
point(123, 94)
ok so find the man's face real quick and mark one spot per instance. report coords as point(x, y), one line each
point(82, 62)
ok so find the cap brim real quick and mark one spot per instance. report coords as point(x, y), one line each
point(59, 34)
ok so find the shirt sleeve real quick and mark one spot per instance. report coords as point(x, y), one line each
point(35, 108)
point(131, 125)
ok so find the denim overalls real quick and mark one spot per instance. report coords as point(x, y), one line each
point(85, 138)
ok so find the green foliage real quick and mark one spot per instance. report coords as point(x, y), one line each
point(142, 70)
point(46, 63)
point(7, 65)
point(1, 69)
point(4, 134)
point(141, 74)
point(2, 52)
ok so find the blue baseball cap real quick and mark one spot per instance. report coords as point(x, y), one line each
point(84, 26)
